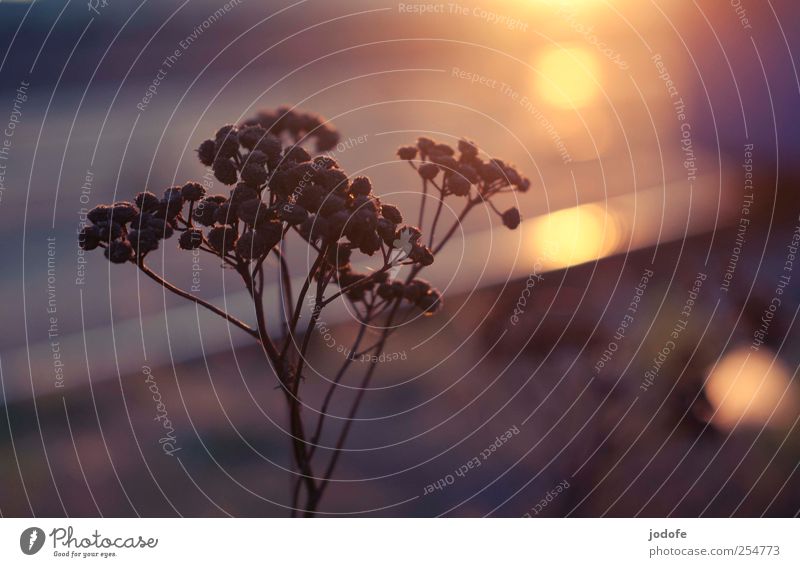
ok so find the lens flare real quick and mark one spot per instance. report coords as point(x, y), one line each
point(567, 76)
point(574, 236)
point(748, 386)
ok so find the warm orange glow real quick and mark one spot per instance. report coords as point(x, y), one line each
point(567, 76)
point(588, 135)
point(748, 385)
point(573, 236)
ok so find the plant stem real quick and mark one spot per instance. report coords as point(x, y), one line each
point(299, 306)
point(436, 218)
point(186, 295)
point(286, 283)
point(455, 226)
point(422, 203)
point(339, 375)
point(362, 281)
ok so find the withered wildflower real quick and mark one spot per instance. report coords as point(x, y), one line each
point(191, 238)
point(511, 218)
point(192, 191)
point(463, 173)
point(119, 251)
point(277, 190)
point(407, 152)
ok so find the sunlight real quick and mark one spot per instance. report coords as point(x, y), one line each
point(567, 76)
point(574, 236)
point(747, 385)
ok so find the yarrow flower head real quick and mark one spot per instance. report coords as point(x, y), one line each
point(272, 188)
point(462, 172)
point(276, 186)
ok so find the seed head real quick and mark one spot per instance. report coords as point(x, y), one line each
point(370, 243)
point(257, 157)
point(108, 231)
point(334, 180)
point(315, 228)
point(160, 227)
point(416, 289)
point(512, 176)
point(442, 149)
point(206, 211)
point(100, 213)
point(272, 232)
point(325, 162)
point(327, 138)
point(124, 212)
point(421, 255)
point(407, 152)
point(225, 171)
point(254, 212)
point(386, 230)
point(241, 193)
point(331, 205)
point(250, 136)
point(89, 238)
point(338, 255)
point(192, 191)
point(222, 239)
point(147, 201)
point(511, 218)
point(392, 214)
point(428, 170)
point(171, 206)
point(458, 185)
point(448, 164)
point(469, 172)
point(226, 214)
point(311, 197)
point(297, 154)
point(227, 141)
point(292, 213)
point(270, 146)
point(425, 145)
point(190, 239)
point(491, 171)
point(143, 241)
point(207, 152)
point(468, 150)
point(119, 251)
point(361, 186)
point(431, 302)
point(252, 245)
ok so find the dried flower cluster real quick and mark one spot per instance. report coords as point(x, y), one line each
point(278, 189)
point(467, 175)
point(275, 189)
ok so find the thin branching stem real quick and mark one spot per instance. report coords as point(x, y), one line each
point(467, 208)
point(186, 295)
point(436, 218)
point(299, 305)
point(353, 410)
point(360, 282)
point(337, 379)
point(286, 287)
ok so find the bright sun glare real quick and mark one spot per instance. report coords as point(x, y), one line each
point(567, 76)
point(573, 236)
point(751, 387)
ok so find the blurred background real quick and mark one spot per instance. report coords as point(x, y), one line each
point(651, 367)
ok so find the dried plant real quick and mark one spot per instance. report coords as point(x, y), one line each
point(278, 191)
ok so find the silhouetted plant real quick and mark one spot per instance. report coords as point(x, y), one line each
point(278, 189)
